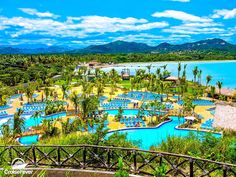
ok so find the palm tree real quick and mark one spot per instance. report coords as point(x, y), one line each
point(18, 122)
point(212, 91)
point(46, 92)
point(219, 85)
point(158, 72)
point(184, 71)
point(199, 75)
point(64, 89)
point(208, 80)
point(74, 98)
point(36, 116)
point(29, 93)
point(149, 68)
point(195, 72)
point(179, 69)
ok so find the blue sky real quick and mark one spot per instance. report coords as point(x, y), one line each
point(78, 23)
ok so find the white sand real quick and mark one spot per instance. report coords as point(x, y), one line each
point(225, 117)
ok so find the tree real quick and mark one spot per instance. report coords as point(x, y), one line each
point(29, 91)
point(47, 92)
point(74, 98)
point(36, 116)
point(195, 72)
point(219, 85)
point(179, 69)
point(212, 91)
point(208, 80)
point(199, 75)
point(18, 122)
point(64, 89)
point(120, 114)
point(149, 68)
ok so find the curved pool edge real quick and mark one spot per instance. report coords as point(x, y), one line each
point(18, 139)
point(139, 128)
point(194, 129)
point(161, 124)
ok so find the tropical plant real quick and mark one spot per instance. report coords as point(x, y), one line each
point(195, 72)
point(160, 171)
point(121, 172)
point(179, 69)
point(18, 122)
point(119, 115)
point(208, 79)
point(36, 116)
point(74, 98)
point(64, 89)
point(219, 85)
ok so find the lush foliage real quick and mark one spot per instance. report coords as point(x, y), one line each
point(208, 147)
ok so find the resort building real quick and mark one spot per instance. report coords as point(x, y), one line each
point(125, 74)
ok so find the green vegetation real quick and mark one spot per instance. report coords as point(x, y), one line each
point(217, 149)
point(121, 172)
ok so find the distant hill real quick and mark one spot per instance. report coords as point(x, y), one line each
point(41, 50)
point(115, 47)
point(128, 47)
point(133, 47)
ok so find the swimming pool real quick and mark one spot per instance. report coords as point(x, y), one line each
point(31, 121)
point(28, 140)
point(154, 136)
point(127, 112)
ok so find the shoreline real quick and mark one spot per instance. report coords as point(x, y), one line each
point(175, 62)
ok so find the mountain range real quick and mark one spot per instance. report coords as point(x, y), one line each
point(126, 47)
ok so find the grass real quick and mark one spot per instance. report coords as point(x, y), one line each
point(126, 84)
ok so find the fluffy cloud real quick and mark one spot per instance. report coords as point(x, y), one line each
point(226, 14)
point(180, 15)
point(37, 13)
point(76, 26)
point(183, 29)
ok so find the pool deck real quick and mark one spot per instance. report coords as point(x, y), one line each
point(113, 125)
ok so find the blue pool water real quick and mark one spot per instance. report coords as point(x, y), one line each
point(31, 121)
point(219, 70)
point(28, 140)
point(154, 136)
point(126, 112)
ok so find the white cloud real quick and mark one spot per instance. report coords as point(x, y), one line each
point(102, 24)
point(182, 29)
point(75, 26)
point(181, 0)
point(226, 14)
point(180, 15)
point(37, 13)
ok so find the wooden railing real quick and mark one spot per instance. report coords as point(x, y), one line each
point(106, 158)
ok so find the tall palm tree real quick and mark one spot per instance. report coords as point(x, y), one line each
point(64, 88)
point(219, 85)
point(18, 122)
point(149, 68)
point(195, 72)
point(184, 71)
point(74, 98)
point(212, 91)
point(36, 116)
point(179, 69)
point(208, 79)
point(199, 75)
point(29, 93)
point(46, 92)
